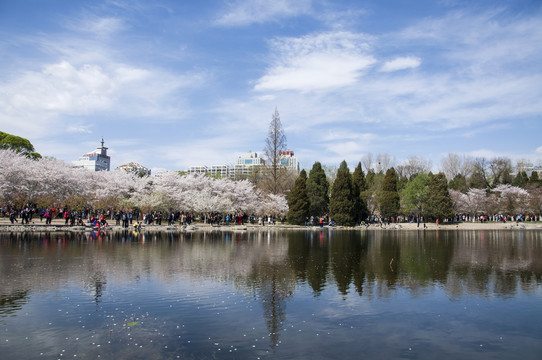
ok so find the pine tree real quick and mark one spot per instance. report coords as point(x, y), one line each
point(459, 183)
point(534, 180)
point(317, 191)
point(359, 186)
point(521, 179)
point(439, 204)
point(298, 201)
point(341, 203)
point(389, 196)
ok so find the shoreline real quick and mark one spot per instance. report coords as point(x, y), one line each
point(57, 225)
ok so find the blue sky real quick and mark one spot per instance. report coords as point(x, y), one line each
point(171, 84)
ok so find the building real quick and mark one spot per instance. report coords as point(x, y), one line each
point(133, 167)
point(247, 165)
point(289, 161)
point(200, 169)
point(96, 160)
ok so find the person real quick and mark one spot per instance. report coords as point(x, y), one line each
point(48, 217)
point(13, 216)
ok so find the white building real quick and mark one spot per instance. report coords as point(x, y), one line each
point(133, 167)
point(96, 160)
point(289, 161)
point(246, 165)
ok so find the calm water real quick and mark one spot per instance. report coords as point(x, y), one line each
point(272, 295)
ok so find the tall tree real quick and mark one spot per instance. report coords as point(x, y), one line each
point(501, 168)
point(478, 178)
point(359, 186)
point(275, 143)
point(439, 204)
point(298, 201)
point(318, 190)
point(341, 202)
point(521, 179)
point(19, 145)
point(459, 183)
point(453, 164)
point(534, 180)
point(414, 194)
point(389, 197)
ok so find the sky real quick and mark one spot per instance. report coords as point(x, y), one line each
point(174, 84)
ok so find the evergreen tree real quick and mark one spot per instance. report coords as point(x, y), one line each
point(370, 178)
point(439, 204)
point(534, 180)
point(389, 197)
point(521, 179)
point(341, 203)
point(478, 179)
point(317, 191)
point(459, 183)
point(358, 188)
point(298, 201)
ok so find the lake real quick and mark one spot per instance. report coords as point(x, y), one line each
point(314, 294)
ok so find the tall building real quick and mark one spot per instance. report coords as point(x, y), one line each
point(289, 161)
point(247, 165)
point(96, 160)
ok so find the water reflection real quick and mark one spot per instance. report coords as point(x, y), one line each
point(268, 267)
point(488, 263)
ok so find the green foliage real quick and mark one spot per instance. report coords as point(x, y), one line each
point(298, 201)
point(439, 204)
point(318, 190)
point(478, 179)
point(389, 196)
point(341, 203)
point(521, 179)
point(459, 183)
point(534, 180)
point(18, 144)
point(359, 186)
point(414, 194)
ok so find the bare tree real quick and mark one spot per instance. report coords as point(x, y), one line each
point(453, 164)
point(383, 162)
point(275, 143)
point(413, 165)
point(523, 165)
point(367, 161)
point(501, 169)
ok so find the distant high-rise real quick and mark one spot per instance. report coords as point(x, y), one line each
point(96, 160)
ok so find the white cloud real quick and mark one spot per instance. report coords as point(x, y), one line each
point(316, 62)
point(36, 102)
point(98, 26)
point(401, 63)
point(538, 150)
point(78, 129)
point(246, 12)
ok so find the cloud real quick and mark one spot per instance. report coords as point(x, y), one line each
point(401, 63)
point(316, 62)
point(246, 12)
point(97, 26)
point(39, 100)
